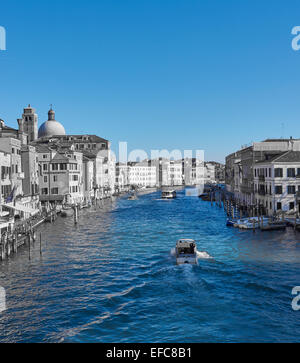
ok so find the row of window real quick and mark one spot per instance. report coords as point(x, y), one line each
point(7, 171)
point(15, 169)
point(278, 205)
point(89, 146)
point(60, 167)
point(264, 189)
point(291, 205)
point(15, 151)
point(291, 189)
point(6, 190)
point(54, 191)
point(34, 189)
point(55, 178)
point(74, 189)
point(278, 172)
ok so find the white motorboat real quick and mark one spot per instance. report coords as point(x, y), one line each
point(133, 197)
point(186, 252)
point(254, 222)
point(168, 194)
point(67, 211)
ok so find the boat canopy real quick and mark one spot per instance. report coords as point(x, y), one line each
point(168, 192)
point(185, 243)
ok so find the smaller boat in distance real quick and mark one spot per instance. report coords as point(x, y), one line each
point(253, 223)
point(231, 222)
point(67, 211)
point(168, 194)
point(274, 226)
point(133, 197)
point(186, 252)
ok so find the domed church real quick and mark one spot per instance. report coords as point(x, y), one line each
point(51, 127)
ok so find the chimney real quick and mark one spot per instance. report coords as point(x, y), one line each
point(21, 125)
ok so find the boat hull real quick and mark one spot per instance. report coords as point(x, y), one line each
point(273, 228)
point(67, 213)
point(230, 223)
point(187, 260)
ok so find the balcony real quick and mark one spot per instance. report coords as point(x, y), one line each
point(262, 178)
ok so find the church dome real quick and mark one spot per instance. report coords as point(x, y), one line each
point(51, 127)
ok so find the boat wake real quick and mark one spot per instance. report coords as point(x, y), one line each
point(204, 255)
point(201, 255)
point(173, 252)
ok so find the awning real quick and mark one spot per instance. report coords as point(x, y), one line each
point(21, 208)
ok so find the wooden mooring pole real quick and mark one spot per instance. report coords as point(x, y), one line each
point(41, 244)
point(76, 215)
point(28, 239)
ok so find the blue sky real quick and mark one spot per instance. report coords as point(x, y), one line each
point(159, 74)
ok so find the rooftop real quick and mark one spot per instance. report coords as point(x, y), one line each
point(285, 157)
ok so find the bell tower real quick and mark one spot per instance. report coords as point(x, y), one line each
point(30, 123)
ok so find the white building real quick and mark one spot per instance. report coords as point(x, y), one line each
point(88, 179)
point(109, 172)
point(277, 183)
point(194, 172)
point(174, 173)
point(61, 175)
point(103, 176)
point(141, 174)
point(13, 147)
point(6, 182)
point(30, 169)
point(122, 182)
point(210, 173)
point(100, 183)
point(214, 172)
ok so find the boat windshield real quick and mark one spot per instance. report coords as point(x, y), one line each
point(186, 250)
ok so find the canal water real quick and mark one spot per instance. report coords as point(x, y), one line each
point(113, 279)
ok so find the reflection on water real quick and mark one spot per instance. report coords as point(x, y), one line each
point(112, 278)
